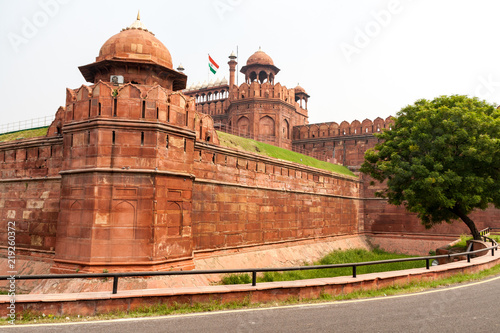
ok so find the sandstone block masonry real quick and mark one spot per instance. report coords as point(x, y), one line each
point(131, 175)
point(108, 192)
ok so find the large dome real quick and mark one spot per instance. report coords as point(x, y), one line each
point(260, 58)
point(135, 55)
point(136, 44)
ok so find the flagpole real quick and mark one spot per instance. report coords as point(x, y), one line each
point(237, 67)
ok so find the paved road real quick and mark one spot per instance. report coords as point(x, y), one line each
point(469, 308)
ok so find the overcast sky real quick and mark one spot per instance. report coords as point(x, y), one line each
point(356, 59)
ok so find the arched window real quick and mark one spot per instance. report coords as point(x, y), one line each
point(252, 77)
point(243, 126)
point(266, 126)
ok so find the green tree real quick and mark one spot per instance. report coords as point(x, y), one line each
point(441, 159)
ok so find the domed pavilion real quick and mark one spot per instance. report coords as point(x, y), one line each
point(135, 55)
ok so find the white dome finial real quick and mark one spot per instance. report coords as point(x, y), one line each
point(137, 23)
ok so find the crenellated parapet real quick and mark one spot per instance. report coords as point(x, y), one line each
point(264, 90)
point(333, 129)
point(128, 101)
point(344, 143)
point(204, 126)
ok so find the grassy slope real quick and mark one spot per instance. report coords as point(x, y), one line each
point(233, 141)
point(25, 134)
point(335, 257)
point(464, 238)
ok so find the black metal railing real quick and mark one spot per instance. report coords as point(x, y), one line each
point(254, 271)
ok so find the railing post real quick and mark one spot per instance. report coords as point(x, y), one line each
point(254, 278)
point(493, 251)
point(427, 263)
point(468, 257)
point(115, 284)
point(353, 271)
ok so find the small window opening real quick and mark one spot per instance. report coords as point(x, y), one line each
point(114, 137)
point(142, 138)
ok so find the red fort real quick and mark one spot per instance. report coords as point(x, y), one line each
point(131, 175)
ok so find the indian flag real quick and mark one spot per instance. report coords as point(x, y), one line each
point(212, 64)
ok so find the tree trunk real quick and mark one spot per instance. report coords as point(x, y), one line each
point(458, 212)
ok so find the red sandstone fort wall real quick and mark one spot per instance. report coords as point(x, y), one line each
point(239, 199)
point(381, 217)
point(344, 144)
point(30, 190)
point(242, 199)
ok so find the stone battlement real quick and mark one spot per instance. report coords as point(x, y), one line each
point(333, 129)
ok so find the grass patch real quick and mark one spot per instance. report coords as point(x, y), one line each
point(495, 237)
point(335, 257)
point(25, 134)
point(163, 309)
point(233, 141)
point(146, 311)
point(462, 244)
